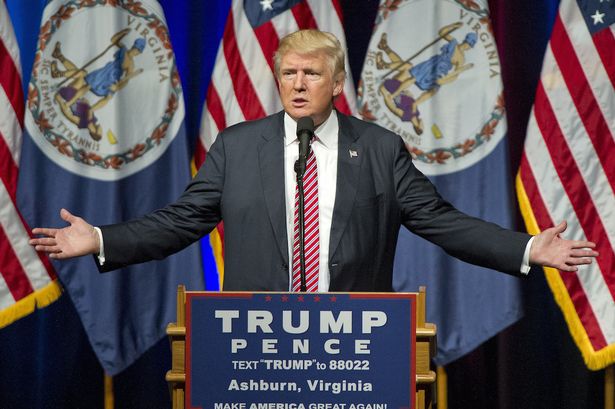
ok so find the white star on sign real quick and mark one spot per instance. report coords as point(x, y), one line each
point(597, 16)
point(267, 4)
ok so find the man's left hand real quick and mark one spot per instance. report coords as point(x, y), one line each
point(551, 250)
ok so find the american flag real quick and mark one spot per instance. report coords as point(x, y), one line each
point(243, 85)
point(566, 171)
point(26, 280)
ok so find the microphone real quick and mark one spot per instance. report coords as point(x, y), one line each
point(305, 132)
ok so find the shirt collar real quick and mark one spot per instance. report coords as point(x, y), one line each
point(326, 133)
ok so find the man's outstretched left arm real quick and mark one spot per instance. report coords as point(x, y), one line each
point(549, 249)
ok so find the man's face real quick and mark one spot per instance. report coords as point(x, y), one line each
point(307, 86)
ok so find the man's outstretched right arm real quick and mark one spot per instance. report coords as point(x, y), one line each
point(79, 238)
point(151, 237)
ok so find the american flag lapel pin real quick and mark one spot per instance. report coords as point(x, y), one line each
point(353, 154)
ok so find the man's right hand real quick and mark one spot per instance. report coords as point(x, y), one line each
point(78, 239)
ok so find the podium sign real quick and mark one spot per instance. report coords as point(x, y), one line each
point(298, 350)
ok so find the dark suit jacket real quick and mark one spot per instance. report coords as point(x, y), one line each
point(378, 190)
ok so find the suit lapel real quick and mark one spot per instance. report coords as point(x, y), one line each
point(271, 161)
point(349, 158)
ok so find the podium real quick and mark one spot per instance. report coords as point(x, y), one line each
point(424, 347)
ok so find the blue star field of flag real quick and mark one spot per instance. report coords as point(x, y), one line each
point(260, 12)
point(598, 14)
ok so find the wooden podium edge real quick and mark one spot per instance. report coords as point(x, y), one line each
point(176, 376)
point(425, 350)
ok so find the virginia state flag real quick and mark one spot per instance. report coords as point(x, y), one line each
point(105, 138)
point(432, 75)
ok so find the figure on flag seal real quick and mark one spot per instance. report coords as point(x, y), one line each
point(110, 108)
point(442, 90)
point(103, 82)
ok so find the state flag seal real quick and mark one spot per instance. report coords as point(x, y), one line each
point(432, 75)
point(104, 99)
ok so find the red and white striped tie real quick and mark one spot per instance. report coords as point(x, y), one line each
point(312, 236)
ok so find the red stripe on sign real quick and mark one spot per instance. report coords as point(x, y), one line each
point(303, 16)
point(583, 97)
point(8, 168)
point(570, 280)
point(12, 271)
point(268, 39)
point(242, 85)
point(10, 80)
point(605, 45)
point(574, 185)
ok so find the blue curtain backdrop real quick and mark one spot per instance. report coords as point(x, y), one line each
point(46, 360)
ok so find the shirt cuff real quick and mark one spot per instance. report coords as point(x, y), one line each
point(525, 264)
point(101, 249)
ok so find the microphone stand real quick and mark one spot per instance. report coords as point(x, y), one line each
point(305, 132)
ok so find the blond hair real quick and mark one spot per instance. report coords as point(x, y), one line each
point(312, 42)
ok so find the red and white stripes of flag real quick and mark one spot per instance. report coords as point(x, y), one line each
point(26, 279)
point(566, 174)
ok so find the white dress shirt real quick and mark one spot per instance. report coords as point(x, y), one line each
point(325, 146)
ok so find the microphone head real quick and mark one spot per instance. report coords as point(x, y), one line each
point(305, 124)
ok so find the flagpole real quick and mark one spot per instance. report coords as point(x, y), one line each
point(442, 381)
point(109, 397)
point(609, 387)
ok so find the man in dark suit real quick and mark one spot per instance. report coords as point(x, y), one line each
point(367, 188)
